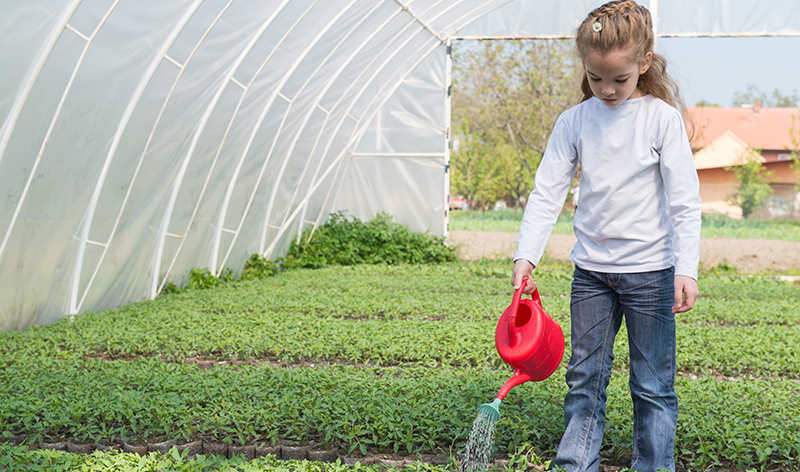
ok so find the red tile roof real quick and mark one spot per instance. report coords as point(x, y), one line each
point(767, 128)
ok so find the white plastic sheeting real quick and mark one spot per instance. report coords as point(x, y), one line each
point(558, 19)
point(142, 138)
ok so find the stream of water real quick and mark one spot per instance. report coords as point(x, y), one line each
point(478, 455)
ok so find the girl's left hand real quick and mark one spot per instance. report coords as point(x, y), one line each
point(685, 294)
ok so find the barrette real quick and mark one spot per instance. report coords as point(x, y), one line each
point(597, 27)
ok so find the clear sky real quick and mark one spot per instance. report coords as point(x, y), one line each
point(713, 69)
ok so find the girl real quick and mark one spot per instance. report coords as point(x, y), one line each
point(638, 231)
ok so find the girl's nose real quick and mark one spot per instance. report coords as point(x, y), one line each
point(608, 90)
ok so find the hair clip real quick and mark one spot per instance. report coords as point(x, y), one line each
point(597, 27)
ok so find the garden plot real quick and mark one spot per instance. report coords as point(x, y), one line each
point(384, 362)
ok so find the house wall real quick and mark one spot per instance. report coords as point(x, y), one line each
point(716, 176)
point(781, 174)
point(716, 186)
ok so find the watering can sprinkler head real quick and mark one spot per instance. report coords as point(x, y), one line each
point(491, 410)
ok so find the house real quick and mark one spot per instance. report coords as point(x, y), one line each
point(723, 136)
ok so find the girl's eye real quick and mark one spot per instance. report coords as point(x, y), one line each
point(622, 81)
point(594, 79)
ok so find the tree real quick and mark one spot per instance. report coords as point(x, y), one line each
point(698, 134)
point(484, 174)
point(507, 98)
point(784, 101)
point(753, 190)
point(470, 163)
point(704, 103)
point(753, 94)
point(794, 133)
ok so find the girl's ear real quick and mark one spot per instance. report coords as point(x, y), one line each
point(648, 59)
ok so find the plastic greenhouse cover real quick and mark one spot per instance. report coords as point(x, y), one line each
point(139, 139)
point(397, 175)
point(538, 18)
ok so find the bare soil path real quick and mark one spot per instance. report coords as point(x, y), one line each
point(746, 255)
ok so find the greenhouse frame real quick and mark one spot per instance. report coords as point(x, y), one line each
point(143, 138)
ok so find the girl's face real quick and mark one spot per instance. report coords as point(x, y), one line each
point(613, 75)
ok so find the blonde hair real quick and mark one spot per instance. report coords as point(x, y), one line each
point(624, 24)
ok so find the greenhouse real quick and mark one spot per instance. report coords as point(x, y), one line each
point(140, 139)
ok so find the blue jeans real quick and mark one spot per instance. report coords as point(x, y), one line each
point(598, 303)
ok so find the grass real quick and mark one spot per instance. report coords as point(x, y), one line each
point(506, 220)
point(721, 226)
point(714, 226)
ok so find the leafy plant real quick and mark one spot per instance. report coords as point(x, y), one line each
point(203, 279)
point(170, 288)
point(348, 241)
point(258, 267)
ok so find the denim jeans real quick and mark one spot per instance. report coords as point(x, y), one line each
point(599, 301)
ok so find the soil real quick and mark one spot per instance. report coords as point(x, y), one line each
point(745, 255)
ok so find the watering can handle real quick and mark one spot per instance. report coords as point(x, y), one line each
point(513, 337)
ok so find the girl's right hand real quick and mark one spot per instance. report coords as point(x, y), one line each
point(522, 270)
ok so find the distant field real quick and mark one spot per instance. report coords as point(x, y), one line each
point(500, 220)
point(713, 225)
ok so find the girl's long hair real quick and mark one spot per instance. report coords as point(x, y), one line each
point(624, 24)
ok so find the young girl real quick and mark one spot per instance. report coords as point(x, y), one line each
point(638, 231)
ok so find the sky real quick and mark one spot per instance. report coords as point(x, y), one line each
point(714, 69)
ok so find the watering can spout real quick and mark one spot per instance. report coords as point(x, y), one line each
point(516, 379)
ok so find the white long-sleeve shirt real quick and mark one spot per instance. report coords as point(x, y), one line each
point(639, 207)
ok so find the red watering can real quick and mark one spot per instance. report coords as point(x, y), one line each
point(529, 340)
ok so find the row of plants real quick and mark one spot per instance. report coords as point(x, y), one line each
point(763, 351)
point(411, 316)
point(20, 458)
point(414, 410)
point(714, 226)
